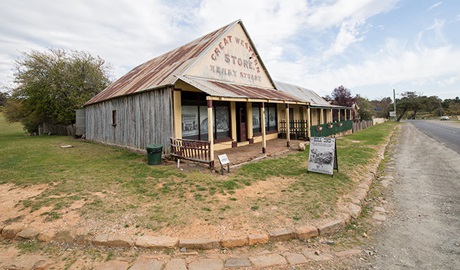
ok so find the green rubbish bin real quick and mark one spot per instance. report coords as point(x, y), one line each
point(154, 154)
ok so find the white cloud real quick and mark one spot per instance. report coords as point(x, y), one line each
point(334, 13)
point(435, 5)
point(123, 33)
point(406, 66)
point(348, 34)
point(437, 27)
point(316, 44)
point(450, 81)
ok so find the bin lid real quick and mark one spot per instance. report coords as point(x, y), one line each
point(154, 146)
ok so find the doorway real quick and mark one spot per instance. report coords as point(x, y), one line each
point(241, 126)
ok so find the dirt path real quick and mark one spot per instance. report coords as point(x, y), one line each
point(423, 232)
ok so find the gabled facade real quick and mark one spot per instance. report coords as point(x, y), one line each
point(215, 88)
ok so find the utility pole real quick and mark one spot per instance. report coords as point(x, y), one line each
point(394, 103)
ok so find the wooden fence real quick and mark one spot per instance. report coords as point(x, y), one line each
point(358, 126)
point(199, 151)
point(298, 129)
point(50, 129)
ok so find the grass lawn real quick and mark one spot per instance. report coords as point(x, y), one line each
point(117, 188)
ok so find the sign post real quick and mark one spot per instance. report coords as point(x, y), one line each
point(322, 157)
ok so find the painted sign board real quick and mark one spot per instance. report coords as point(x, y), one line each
point(232, 59)
point(322, 157)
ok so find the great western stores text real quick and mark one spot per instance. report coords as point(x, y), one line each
point(248, 68)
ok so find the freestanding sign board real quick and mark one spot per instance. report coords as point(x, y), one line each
point(323, 155)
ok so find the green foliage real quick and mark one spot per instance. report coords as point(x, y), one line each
point(52, 85)
point(451, 106)
point(414, 102)
point(342, 96)
point(3, 98)
point(365, 108)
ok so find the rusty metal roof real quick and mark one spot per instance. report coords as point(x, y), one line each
point(305, 95)
point(162, 70)
point(216, 88)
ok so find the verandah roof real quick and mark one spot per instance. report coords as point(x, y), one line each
point(218, 90)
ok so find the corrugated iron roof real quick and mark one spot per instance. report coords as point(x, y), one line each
point(162, 70)
point(305, 95)
point(231, 90)
point(301, 93)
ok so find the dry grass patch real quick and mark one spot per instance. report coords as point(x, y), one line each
point(96, 188)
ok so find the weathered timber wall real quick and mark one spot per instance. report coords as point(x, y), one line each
point(141, 119)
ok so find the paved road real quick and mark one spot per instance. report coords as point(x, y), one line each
point(444, 132)
point(424, 231)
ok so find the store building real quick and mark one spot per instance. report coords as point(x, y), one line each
point(216, 84)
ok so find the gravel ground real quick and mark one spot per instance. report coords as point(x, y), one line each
point(423, 230)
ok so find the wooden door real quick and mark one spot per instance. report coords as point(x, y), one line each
point(241, 116)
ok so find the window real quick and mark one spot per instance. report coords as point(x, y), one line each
point(195, 118)
point(256, 121)
point(270, 118)
point(114, 118)
point(221, 120)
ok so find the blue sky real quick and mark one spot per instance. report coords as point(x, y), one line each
point(369, 46)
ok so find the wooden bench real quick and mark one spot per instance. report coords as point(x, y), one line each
point(194, 150)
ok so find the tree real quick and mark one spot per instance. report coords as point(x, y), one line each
point(433, 104)
point(51, 85)
point(3, 98)
point(410, 101)
point(365, 108)
point(381, 107)
point(451, 106)
point(342, 96)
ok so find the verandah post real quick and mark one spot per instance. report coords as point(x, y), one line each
point(288, 127)
point(210, 134)
point(264, 139)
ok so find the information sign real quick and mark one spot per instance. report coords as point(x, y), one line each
point(323, 155)
point(223, 159)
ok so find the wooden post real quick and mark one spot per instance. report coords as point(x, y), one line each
point(233, 120)
point(250, 124)
point(288, 127)
point(177, 114)
point(321, 116)
point(309, 121)
point(264, 139)
point(338, 116)
point(210, 133)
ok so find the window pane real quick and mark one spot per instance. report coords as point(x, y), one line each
point(190, 122)
point(256, 127)
point(203, 123)
point(222, 121)
point(272, 118)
